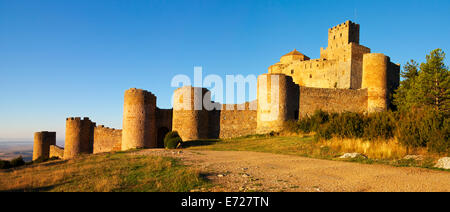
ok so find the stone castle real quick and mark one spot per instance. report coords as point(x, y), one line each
point(346, 77)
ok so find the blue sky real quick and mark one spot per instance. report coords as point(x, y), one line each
point(76, 58)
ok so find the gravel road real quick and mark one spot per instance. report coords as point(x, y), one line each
point(251, 171)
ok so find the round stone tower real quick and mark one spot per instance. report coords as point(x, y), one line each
point(375, 68)
point(278, 100)
point(139, 120)
point(190, 119)
point(42, 142)
point(79, 137)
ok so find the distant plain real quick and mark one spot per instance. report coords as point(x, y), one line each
point(13, 149)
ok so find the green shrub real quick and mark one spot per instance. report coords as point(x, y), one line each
point(312, 123)
point(325, 132)
point(272, 134)
point(347, 125)
point(4, 164)
point(172, 140)
point(380, 125)
point(439, 143)
point(419, 127)
point(16, 162)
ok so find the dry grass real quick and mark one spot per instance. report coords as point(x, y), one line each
point(102, 173)
point(380, 149)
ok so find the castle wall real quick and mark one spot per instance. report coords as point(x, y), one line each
point(346, 77)
point(340, 53)
point(393, 81)
point(320, 73)
point(79, 137)
point(56, 151)
point(343, 65)
point(323, 73)
point(357, 65)
point(343, 34)
point(190, 119)
point(238, 120)
point(233, 120)
point(107, 139)
point(375, 75)
point(42, 142)
point(139, 119)
point(214, 126)
point(164, 118)
point(164, 124)
point(278, 99)
point(339, 66)
point(332, 100)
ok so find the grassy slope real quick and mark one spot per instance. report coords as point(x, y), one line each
point(301, 146)
point(105, 172)
point(127, 172)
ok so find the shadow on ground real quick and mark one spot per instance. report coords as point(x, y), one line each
point(39, 189)
point(199, 143)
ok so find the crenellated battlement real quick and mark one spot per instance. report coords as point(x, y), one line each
point(236, 107)
point(341, 35)
point(79, 136)
point(344, 25)
point(73, 119)
point(106, 139)
point(78, 119)
point(141, 92)
point(102, 127)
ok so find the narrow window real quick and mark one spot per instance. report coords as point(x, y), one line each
point(292, 71)
point(310, 76)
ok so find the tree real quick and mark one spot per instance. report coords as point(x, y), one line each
point(427, 87)
point(404, 95)
point(433, 82)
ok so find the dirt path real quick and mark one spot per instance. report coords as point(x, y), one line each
point(251, 171)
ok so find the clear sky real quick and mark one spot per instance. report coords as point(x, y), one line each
point(77, 57)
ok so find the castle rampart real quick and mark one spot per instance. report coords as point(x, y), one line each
point(375, 68)
point(346, 78)
point(56, 151)
point(107, 139)
point(164, 119)
point(79, 137)
point(342, 34)
point(346, 66)
point(278, 98)
point(190, 119)
point(42, 142)
point(237, 120)
point(139, 119)
point(228, 121)
point(332, 100)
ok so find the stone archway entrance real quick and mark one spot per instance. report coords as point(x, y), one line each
point(162, 131)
